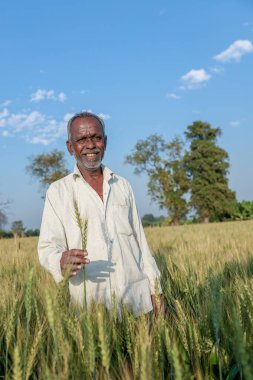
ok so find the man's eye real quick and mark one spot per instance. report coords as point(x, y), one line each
point(82, 140)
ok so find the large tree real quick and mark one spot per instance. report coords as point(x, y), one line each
point(47, 167)
point(164, 165)
point(207, 166)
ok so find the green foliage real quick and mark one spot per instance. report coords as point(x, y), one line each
point(47, 167)
point(201, 172)
point(5, 234)
point(148, 218)
point(27, 233)
point(164, 165)
point(243, 210)
point(151, 220)
point(32, 232)
point(207, 167)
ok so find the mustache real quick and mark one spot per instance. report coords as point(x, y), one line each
point(93, 150)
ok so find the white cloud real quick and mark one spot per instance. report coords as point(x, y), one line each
point(35, 127)
point(21, 121)
point(217, 69)
point(38, 140)
point(83, 92)
point(172, 95)
point(4, 113)
point(235, 51)
point(67, 116)
point(6, 103)
point(61, 97)
point(235, 123)
point(104, 116)
point(33, 118)
point(195, 79)
point(41, 94)
point(6, 133)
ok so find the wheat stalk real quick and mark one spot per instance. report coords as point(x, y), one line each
point(83, 227)
point(17, 371)
point(33, 352)
point(104, 348)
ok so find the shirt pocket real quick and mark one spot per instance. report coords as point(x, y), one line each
point(121, 214)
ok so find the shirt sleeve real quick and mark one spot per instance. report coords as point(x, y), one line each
point(52, 240)
point(150, 267)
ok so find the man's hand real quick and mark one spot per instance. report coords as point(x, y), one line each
point(158, 304)
point(72, 260)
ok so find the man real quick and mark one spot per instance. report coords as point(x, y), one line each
point(117, 259)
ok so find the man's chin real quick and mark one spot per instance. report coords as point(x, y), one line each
point(91, 167)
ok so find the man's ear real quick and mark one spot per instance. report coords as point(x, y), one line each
point(105, 142)
point(70, 147)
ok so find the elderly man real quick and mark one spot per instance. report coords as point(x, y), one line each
point(117, 259)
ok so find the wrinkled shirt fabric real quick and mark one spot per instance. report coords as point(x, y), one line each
point(121, 266)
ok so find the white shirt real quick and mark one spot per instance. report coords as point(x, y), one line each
point(121, 265)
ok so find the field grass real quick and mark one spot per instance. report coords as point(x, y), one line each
point(207, 333)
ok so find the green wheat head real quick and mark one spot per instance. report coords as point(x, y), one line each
point(83, 227)
point(82, 224)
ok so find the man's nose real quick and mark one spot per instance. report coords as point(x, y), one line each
point(90, 143)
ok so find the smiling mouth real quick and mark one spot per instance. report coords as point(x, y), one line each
point(94, 156)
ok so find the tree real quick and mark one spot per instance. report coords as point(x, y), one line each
point(17, 228)
point(3, 219)
point(47, 167)
point(3, 216)
point(164, 165)
point(148, 218)
point(207, 167)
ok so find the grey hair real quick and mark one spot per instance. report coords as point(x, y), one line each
point(82, 115)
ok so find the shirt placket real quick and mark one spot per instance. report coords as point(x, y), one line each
point(103, 208)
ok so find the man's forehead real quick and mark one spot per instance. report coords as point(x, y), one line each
point(88, 123)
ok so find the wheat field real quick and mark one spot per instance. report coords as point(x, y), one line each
point(206, 333)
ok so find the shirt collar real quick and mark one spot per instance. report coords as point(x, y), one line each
point(107, 173)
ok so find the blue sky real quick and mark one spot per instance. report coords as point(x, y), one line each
point(144, 66)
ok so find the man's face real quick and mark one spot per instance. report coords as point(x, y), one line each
point(87, 142)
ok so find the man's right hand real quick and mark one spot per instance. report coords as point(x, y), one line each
point(72, 260)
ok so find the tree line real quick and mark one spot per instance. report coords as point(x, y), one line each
point(18, 230)
point(187, 176)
